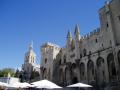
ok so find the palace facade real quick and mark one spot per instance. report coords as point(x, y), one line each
point(93, 58)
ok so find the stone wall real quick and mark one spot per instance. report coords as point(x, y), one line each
point(93, 58)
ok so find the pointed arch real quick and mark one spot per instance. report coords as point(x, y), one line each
point(82, 71)
point(111, 67)
point(73, 66)
point(75, 72)
point(90, 71)
point(100, 70)
point(67, 76)
point(61, 76)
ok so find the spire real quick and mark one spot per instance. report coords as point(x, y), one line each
point(77, 30)
point(69, 35)
point(31, 45)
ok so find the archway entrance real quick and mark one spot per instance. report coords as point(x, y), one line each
point(90, 71)
point(67, 76)
point(111, 67)
point(61, 77)
point(82, 71)
point(100, 71)
point(74, 73)
point(74, 80)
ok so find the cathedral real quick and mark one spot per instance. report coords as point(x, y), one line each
point(93, 59)
point(30, 68)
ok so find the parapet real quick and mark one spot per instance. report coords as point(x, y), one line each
point(91, 34)
point(50, 44)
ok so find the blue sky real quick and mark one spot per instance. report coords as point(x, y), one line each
point(41, 20)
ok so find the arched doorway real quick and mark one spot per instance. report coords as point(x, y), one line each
point(44, 73)
point(90, 71)
point(61, 76)
point(74, 73)
point(100, 70)
point(74, 80)
point(82, 71)
point(67, 76)
point(111, 67)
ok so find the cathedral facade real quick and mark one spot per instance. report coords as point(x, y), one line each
point(93, 59)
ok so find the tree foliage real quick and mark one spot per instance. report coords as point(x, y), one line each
point(4, 72)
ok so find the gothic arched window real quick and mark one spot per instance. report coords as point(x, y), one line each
point(82, 71)
point(90, 70)
point(111, 66)
point(100, 70)
point(84, 52)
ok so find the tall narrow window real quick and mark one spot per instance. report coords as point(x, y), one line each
point(45, 60)
point(64, 59)
point(60, 62)
point(84, 52)
point(80, 55)
point(96, 40)
point(102, 44)
point(107, 25)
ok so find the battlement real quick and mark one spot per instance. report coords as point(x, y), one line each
point(89, 35)
point(50, 44)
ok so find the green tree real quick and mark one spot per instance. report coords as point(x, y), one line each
point(4, 72)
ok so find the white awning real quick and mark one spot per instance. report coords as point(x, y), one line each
point(79, 85)
point(45, 84)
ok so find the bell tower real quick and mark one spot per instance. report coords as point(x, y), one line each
point(30, 56)
point(29, 62)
